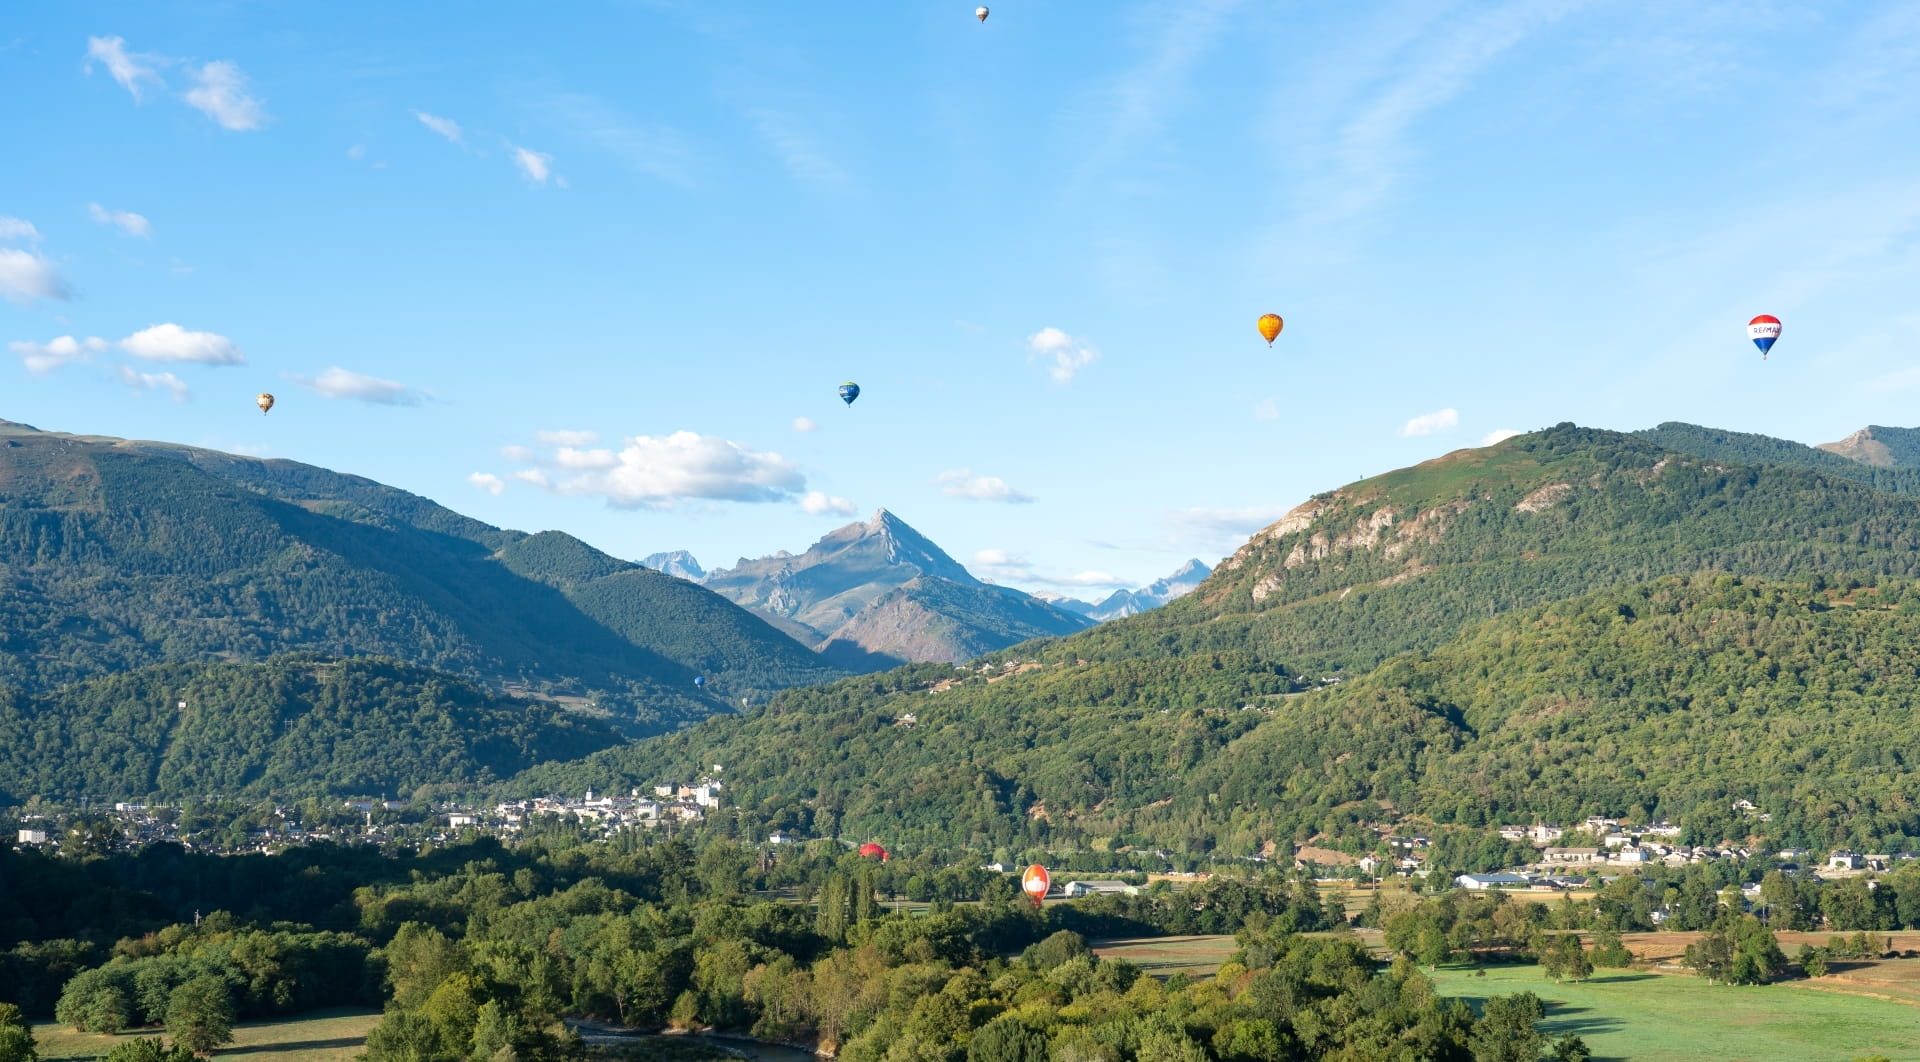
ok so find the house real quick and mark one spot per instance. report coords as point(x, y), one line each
point(33, 837)
point(1843, 859)
point(1634, 857)
point(780, 837)
point(457, 820)
point(1573, 855)
point(1098, 888)
point(1544, 834)
point(1493, 881)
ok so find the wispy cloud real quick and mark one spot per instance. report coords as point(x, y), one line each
point(1066, 355)
point(488, 482)
point(130, 69)
point(664, 471)
point(446, 127)
point(658, 151)
point(337, 382)
point(962, 483)
point(125, 220)
point(18, 229)
point(1005, 566)
point(817, 503)
point(44, 357)
point(536, 167)
point(798, 149)
point(170, 342)
point(1432, 423)
point(1218, 530)
point(220, 92)
point(1133, 108)
point(26, 276)
point(154, 381)
point(804, 424)
point(1266, 409)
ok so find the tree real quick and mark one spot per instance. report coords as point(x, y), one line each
point(200, 1014)
point(148, 1049)
point(16, 1037)
point(1505, 1031)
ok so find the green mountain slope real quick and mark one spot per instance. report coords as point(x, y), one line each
point(289, 726)
point(1670, 699)
point(117, 555)
point(1750, 449)
point(1175, 727)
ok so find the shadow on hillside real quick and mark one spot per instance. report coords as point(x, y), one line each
point(337, 1043)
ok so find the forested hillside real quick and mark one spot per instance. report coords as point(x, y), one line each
point(290, 727)
point(119, 555)
point(1664, 700)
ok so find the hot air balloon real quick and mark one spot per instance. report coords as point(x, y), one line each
point(980, 13)
point(873, 851)
point(1035, 882)
point(699, 680)
point(1764, 330)
point(849, 391)
point(265, 402)
point(1270, 325)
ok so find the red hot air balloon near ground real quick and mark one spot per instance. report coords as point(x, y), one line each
point(873, 851)
point(1035, 883)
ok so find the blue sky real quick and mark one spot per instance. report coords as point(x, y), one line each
point(601, 266)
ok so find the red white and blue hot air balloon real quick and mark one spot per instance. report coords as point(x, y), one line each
point(1764, 330)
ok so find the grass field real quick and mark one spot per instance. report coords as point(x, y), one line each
point(324, 1036)
point(1197, 956)
point(1657, 1018)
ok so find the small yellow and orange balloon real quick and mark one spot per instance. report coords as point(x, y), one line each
point(265, 402)
point(1270, 325)
point(980, 13)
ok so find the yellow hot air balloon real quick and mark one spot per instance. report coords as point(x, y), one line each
point(1270, 325)
point(265, 402)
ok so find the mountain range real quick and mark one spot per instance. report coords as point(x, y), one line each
point(877, 594)
point(1129, 602)
point(119, 554)
point(1569, 622)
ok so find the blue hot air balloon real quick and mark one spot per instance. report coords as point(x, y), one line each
point(699, 680)
point(849, 391)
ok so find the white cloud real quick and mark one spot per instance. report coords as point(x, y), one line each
point(1499, 435)
point(488, 482)
point(816, 503)
point(128, 68)
point(568, 438)
point(1432, 423)
point(357, 152)
point(1069, 355)
point(170, 342)
point(660, 472)
point(154, 381)
point(125, 220)
point(657, 151)
point(337, 382)
point(962, 483)
point(446, 127)
point(17, 229)
point(1266, 409)
point(41, 357)
point(1001, 565)
point(537, 166)
point(25, 276)
point(220, 92)
point(574, 457)
point(804, 424)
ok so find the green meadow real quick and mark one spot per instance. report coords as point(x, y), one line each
point(1650, 1017)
